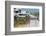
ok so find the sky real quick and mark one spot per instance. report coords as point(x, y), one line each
point(30, 10)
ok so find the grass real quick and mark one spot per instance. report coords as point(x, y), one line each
point(20, 21)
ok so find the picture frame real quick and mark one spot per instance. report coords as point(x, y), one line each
point(10, 11)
